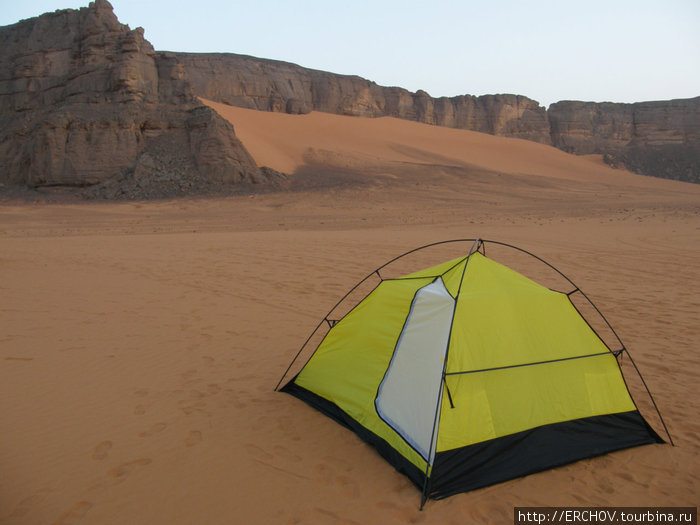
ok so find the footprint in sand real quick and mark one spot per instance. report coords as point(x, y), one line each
point(101, 450)
point(258, 452)
point(386, 505)
point(122, 471)
point(286, 454)
point(189, 407)
point(139, 410)
point(322, 514)
point(118, 474)
point(348, 485)
point(189, 374)
point(338, 462)
point(27, 504)
point(73, 515)
point(194, 437)
point(158, 427)
point(196, 394)
point(323, 472)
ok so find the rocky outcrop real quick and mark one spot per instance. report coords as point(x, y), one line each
point(271, 85)
point(653, 138)
point(83, 101)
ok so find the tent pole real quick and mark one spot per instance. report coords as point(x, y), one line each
point(658, 412)
point(443, 383)
point(375, 272)
point(299, 352)
point(325, 319)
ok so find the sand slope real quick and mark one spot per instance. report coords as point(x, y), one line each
point(286, 142)
point(140, 343)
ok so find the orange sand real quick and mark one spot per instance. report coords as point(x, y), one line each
point(140, 342)
point(285, 142)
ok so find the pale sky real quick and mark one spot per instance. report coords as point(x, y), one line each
point(613, 50)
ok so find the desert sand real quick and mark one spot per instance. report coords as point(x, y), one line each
point(140, 342)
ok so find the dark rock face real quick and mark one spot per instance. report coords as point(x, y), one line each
point(589, 127)
point(83, 101)
point(270, 85)
point(653, 138)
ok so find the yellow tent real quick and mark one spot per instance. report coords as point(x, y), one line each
point(467, 373)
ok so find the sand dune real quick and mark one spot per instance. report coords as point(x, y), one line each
point(140, 342)
point(286, 142)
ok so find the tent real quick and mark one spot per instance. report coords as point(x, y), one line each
point(467, 374)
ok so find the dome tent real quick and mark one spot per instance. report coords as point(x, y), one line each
point(467, 373)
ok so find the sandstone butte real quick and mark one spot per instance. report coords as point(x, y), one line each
point(87, 102)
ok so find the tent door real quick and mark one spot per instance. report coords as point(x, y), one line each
point(410, 393)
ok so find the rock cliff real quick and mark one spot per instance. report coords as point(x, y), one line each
point(271, 85)
point(653, 138)
point(83, 102)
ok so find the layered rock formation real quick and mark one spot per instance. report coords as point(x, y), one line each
point(83, 102)
point(271, 85)
point(86, 101)
point(654, 138)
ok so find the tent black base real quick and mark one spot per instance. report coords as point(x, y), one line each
point(507, 457)
point(536, 449)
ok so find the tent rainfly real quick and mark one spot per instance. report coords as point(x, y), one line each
point(467, 374)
